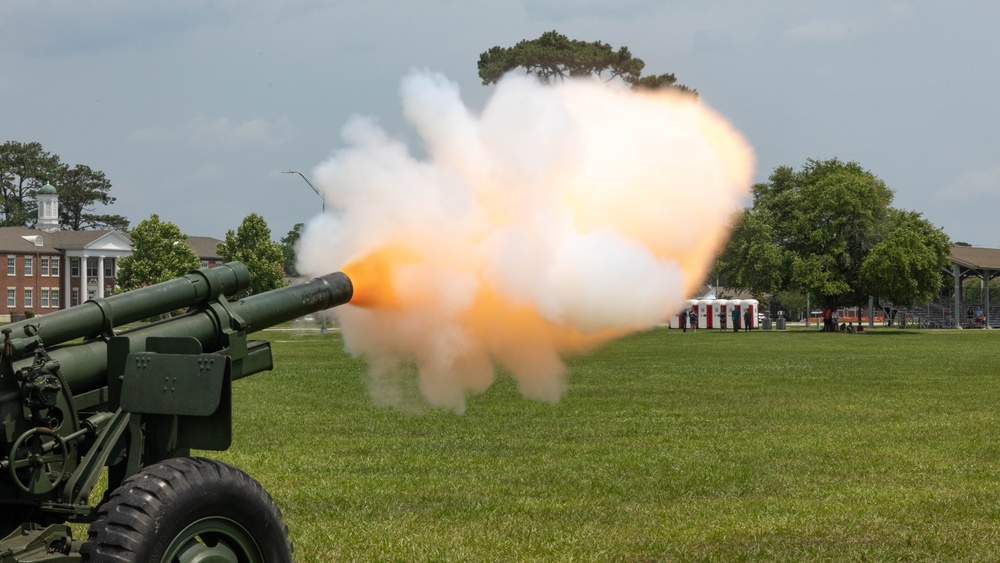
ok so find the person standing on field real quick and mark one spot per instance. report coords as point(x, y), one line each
point(736, 319)
point(693, 317)
point(684, 320)
point(746, 320)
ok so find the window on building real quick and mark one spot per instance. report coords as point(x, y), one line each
point(91, 267)
point(204, 263)
point(109, 268)
point(75, 297)
point(54, 301)
point(74, 267)
point(11, 266)
point(44, 299)
point(29, 265)
point(55, 266)
point(28, 298)
point(44, 265)
point(11, 298)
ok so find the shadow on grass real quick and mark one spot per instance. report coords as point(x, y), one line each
point(870, 332)
point(892, 332)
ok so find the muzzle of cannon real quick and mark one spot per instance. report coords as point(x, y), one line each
point(79, 397)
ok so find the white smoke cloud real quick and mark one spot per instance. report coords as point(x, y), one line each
point(560, 217)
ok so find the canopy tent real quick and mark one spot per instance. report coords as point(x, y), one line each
point(971, 261)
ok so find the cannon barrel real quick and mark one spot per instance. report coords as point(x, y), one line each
point(85, 364)
point(98, 316)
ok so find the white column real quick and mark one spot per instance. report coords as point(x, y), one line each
point(100, 276)
point(65, 274)
point(83, 278)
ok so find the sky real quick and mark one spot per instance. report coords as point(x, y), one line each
point(194, 109)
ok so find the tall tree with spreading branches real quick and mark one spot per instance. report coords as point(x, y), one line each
point(553, 56)
point(79, 189)
point(26, 167)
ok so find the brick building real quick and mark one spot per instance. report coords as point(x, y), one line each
point(48, 269)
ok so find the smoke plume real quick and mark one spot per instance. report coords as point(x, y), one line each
point(559, 218)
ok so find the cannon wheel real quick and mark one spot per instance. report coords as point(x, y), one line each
point(188, 509)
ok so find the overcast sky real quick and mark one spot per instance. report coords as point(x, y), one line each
point(193, 108)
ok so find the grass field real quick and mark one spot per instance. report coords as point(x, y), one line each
point(769, 446)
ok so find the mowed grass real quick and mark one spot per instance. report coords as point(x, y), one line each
point(769, 446)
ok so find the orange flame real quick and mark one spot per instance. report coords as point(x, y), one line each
point(372, 276)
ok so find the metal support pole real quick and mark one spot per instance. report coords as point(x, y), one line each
point(322, 329)
point(956, 313)
point(986, 294)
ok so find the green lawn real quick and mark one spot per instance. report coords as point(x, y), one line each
point(769, 446)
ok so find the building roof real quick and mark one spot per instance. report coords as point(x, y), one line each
point(976, 258)
point(26, 240)
point(207, 248)
point(76, 240)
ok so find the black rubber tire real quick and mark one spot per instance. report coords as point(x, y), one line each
point(165, 504)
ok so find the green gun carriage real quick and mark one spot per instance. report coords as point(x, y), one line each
point(80, 398)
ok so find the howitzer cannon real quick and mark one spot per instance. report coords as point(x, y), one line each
point(77, 398)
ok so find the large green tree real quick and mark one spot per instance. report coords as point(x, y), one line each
point(159, 253)
point(24, 167)
point(906, 265)
point(251, 244)
point(829, 230)
point(553, 56)
point(79, 189)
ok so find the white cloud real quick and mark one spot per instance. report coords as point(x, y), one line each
point(578, 9)
point(975, 186)
point(820, 30)
point(222, 132)
point(900, 11)
point(831, 30)
point(202, 176)
point(51, 28)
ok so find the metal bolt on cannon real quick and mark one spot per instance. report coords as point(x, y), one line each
point(78, 397)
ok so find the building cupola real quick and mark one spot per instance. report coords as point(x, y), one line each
point(48, 208)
